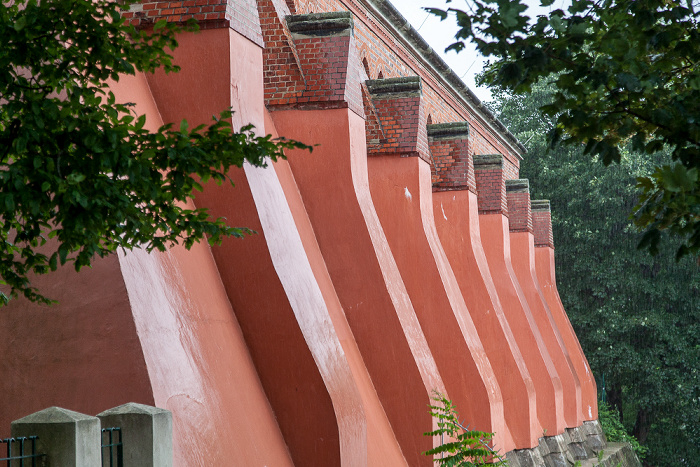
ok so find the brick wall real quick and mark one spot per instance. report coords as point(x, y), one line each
point(240, 15)
point(282, 75)
point(373, 126)
point(490, 184)
point(453, 167)
point(309, 60)
point(387, 58)
point(285, 80)
point(542, 223)
point(397, 105)
point(519, 213)
point(328, 59)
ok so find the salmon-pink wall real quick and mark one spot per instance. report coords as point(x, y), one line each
point(285, 364)
point(334, 187)
point(545, 269)
point(402, 193)
point(318, 340)
point(382, 446)
point(197, 359)
point(198, 362)
point(523, 258)
point(457, 222)
point(326, 422)
point(548, 389)
point(288, 372)
point(82, 354)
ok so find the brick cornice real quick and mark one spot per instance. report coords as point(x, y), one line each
point(519, 211)
point(490, 184)
point(239, 15)
point(542, 223)
point(397, 105)
point(382, 15)
point(453, 167)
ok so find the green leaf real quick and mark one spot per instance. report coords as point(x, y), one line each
point(442, 14)
point(20, 23)
point(160, 24)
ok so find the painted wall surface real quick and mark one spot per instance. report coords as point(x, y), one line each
point(82, 354)
point(548, 387)
point(198, 362)
point(254, 289)
point(319, 340)
point(402, 194)
point(545, 269)
point(193, 344)
point(523, 257)
point(456, 218)
point(333, 184)
point(382, 445)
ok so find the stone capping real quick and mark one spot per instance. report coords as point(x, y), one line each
point(541, 205)
point(67, 438)
point(146, 433)
point(521, 185)
point(453, 130)
point(396, 24)
point(320, 24)
point(392, 88)
point(488, 161)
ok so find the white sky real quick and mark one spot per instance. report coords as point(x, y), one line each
point(441, 34)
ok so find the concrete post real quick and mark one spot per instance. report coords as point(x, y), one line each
point(69, 439)
point(147, 433)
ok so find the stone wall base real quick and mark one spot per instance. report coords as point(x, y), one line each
point(585, 444)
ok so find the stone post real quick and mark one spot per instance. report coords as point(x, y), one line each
point(147, 433)
point(67, 438)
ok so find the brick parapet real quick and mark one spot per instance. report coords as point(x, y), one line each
point(453, 166)
point(389, 46)
point(490, 184)
point(283, 79)
point(373, 126)
point(398, 107)
point(239, 15)
point(519, 212)
point(310, 61)
point(542, 223)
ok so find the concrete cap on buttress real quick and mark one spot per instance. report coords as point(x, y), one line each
point(541, 205)
point(453, 130)
point(392, 88)
point(518, 186)
point(488, 161)
point(320, 24)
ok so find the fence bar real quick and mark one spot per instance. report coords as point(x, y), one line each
point(22, 456)
point(112, 444)
point(146, 433)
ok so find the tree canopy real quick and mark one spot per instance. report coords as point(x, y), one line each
point(624, 73)
point(636, 315)
point(80, 167)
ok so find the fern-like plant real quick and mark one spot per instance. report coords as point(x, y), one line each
point(615, 431)
point(459, 446)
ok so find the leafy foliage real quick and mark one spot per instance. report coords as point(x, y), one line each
point(76, 165)
point(636, 315)
point(624, 72)
point(464, 448)
point(615, 431)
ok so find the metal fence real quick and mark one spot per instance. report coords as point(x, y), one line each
point(18, 454)
point(112, 447)
point(21, 451)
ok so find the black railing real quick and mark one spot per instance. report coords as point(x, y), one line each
point(112, 448)
point(14, 458)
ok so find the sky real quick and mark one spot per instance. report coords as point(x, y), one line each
point(440, 35)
